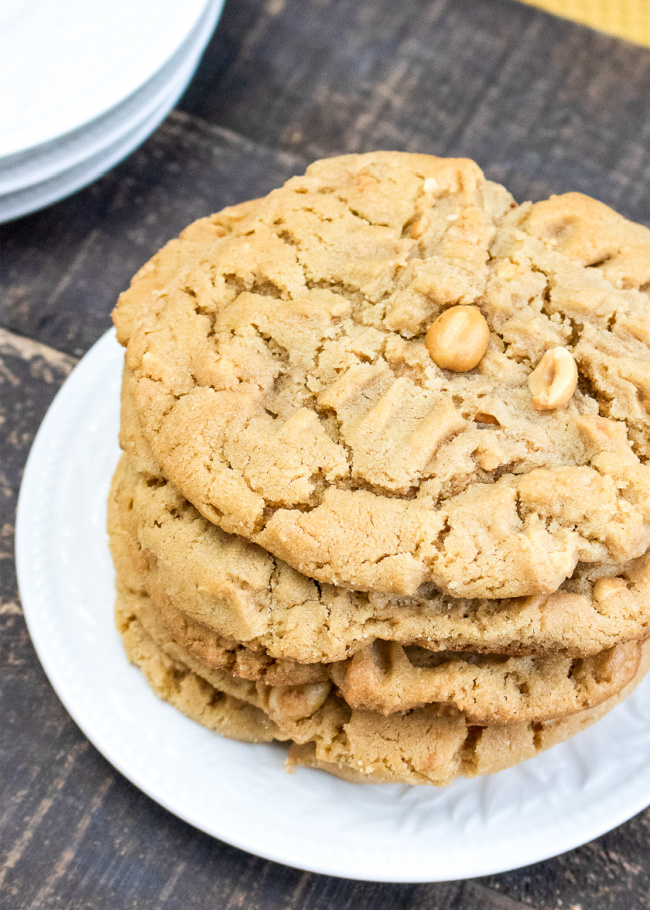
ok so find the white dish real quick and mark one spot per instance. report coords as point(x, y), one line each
point(240, 793)
point(64, 64)
point(32, 198)
point(36, 165)
point(119, 140)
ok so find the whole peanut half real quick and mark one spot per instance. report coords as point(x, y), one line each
point(458, 338)
point(605, 587)
point(296, 702)
point(554, 380)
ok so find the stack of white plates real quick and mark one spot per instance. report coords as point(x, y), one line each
point(84, 83)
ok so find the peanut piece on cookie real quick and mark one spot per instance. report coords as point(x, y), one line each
point(458, 339)
point(296, 702)
point(605, 587)
point(554, 380)
point(419, 226)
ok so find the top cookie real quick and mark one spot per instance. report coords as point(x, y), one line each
point(284, 384)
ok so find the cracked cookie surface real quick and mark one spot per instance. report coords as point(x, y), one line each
point(221, 585)
point(384, 676)
point(279, 367)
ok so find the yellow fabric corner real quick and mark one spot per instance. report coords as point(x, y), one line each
point(629, 19)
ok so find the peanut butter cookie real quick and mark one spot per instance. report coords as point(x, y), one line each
point(419, 747)
point(281, 370)
point(236, 608)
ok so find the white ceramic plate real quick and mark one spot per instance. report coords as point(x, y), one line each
point(240, 793)
point(46, 161)
point(62, 64)
point(32, 198)
point(93, 155)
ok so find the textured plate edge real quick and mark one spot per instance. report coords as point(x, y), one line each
point(531, 851)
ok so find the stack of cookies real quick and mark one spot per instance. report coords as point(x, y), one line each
point(385, 492)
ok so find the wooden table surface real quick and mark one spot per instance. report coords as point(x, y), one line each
point(544, 106)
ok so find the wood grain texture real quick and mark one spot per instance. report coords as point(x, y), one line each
point(30, 375)
point(544, 106)
point(541, 103)
point(64, 267)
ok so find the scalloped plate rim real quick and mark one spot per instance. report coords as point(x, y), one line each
point(614, 808)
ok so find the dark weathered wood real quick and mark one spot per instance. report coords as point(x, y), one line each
point(541, 103)
point(611, 872)
point(30, 375)
point(544, 106)
point(63, 268)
